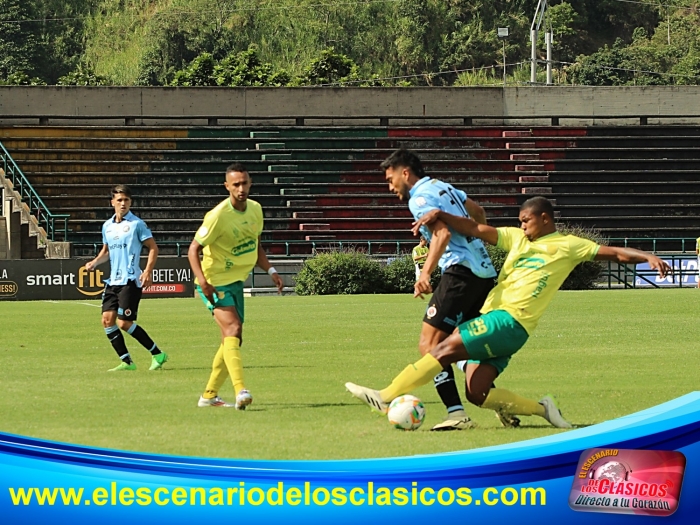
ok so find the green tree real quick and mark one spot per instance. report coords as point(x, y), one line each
point(19, 47)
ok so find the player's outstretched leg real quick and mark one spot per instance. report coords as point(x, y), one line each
point(552, 412)
point(511, 404)
point(371, 398)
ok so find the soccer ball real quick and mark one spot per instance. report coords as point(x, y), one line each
point(406, 412)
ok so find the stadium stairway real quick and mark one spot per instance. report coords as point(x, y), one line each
point(321, 185)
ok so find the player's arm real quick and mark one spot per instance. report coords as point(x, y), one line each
point(464, 225)
point(264, 264)
point(102, 257)
point(475, 211)
point(147, 274)
point(438, 243)
point(632, 256)
point(193, 254)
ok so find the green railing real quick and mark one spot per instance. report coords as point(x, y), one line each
point(21, 185)
point(372, 247)
point(654, 245)
point(685, 274)
point(614, 275)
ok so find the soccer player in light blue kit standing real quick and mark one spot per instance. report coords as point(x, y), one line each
point(467, 272)
point(123, 236)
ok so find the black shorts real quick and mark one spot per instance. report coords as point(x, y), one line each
point(123, 299)
point(458, 298)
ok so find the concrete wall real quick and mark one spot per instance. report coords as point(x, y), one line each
point(26, 104)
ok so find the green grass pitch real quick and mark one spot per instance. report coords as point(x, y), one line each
point(603, 354)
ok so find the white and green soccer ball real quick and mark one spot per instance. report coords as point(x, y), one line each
point(406, 412)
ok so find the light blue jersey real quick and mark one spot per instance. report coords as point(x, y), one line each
point(124, 240)
point(429, 194)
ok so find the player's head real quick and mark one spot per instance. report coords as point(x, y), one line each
point(402, 169)
point(121, 199)
point(423, 241)
point(537, 218)
point(238, 183)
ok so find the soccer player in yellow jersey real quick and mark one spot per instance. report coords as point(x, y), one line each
point(419, 255)
point(539, 260)
point(229, 239)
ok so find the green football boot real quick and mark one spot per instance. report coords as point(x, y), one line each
point(158, 360)
point(123, 367)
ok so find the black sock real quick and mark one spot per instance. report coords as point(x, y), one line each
point(447, 389)
point(142, 337)
point(115, 336)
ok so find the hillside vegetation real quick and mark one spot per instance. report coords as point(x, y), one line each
point(351, 42)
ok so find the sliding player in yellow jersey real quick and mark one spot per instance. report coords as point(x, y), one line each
point(539, 260)
point(229, 239)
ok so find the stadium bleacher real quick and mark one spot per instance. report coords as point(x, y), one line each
point(323, 184)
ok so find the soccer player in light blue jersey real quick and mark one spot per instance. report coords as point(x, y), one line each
point(123, 236)
point(467, 272)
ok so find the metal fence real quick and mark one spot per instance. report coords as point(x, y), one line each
point(55, 224)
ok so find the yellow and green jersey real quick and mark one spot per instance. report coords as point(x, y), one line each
point(534, 271)
point(230, 240)
point(420, 254)
point(697, 244)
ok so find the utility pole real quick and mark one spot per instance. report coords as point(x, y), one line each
point(503, 35)
point(541, 15)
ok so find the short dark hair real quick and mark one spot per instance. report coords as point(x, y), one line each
point(121, 188)
point(236, 166)
point(404, 159)
point(539, 205)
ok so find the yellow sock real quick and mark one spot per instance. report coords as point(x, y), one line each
point(413, 376)
point(232, 356)
point(218, 376)
point(502, 399)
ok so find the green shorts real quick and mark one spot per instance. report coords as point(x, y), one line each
point(493, 338)
point(227, 295)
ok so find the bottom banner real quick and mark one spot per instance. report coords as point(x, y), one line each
point(642, 464)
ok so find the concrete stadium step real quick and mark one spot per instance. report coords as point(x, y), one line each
point(401, 211)
point(269, 145)
point(314, 226)
point(307, 215)
point(295, 191)
point(520, 145)
point(529, 167)
point(632, 177)
point(320, 201)
point(319, 237)
point(283, 167)
point(276, 156)
point(513, 134)
point(524, 156)
point(627, 210)
point(537, 190)
point(533, 178)
point(594, 193)
point(288, 180)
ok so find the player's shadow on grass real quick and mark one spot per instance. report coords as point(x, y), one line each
point(296, 406)
point(184, 368)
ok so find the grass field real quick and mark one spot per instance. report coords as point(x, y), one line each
point(603, 354)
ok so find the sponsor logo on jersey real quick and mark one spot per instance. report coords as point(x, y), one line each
point(246, 247)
